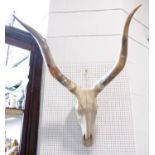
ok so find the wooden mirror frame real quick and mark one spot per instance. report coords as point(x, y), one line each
point(24, 40)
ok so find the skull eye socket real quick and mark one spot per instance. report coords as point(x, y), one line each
point(80, 110)
point(95, 109)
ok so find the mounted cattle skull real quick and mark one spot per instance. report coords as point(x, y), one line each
point(86, 106)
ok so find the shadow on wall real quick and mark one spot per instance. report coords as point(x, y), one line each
point(69, 134)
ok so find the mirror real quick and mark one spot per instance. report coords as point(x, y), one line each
point(17, 71)
point(22, 91)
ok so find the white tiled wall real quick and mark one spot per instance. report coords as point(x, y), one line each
point(87, 35)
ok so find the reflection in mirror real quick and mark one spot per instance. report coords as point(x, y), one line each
point(17, 71)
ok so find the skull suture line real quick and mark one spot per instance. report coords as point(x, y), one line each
point(86, 106)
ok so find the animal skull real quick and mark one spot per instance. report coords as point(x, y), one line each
point(86, 106)
point(86, 109)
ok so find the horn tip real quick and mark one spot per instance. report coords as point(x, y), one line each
point(139, 6)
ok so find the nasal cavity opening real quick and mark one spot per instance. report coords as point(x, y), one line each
point(89, 137)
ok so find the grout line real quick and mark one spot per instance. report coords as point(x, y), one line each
point(82, 11)
point(97, 35)
point(87, 35)
point(138, 42)
point(99, 10)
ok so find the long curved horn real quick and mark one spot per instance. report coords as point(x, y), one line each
point(120, 63)
point(54, 70)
